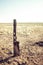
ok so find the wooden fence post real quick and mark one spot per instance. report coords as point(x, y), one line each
point(15, 43)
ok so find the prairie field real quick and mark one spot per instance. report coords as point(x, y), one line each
point(27, 35)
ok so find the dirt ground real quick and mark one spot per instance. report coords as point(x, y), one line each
point(27, 35)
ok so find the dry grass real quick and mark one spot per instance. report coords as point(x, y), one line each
point(27, 35)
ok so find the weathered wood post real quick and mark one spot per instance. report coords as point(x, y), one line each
point(15, 43)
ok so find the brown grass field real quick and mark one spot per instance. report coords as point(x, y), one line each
point(27, 34)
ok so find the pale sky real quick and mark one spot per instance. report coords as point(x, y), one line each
point(21, 10)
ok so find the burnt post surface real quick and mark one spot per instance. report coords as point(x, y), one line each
point(15, 43)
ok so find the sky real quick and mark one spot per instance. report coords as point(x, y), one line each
point(21, 10)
